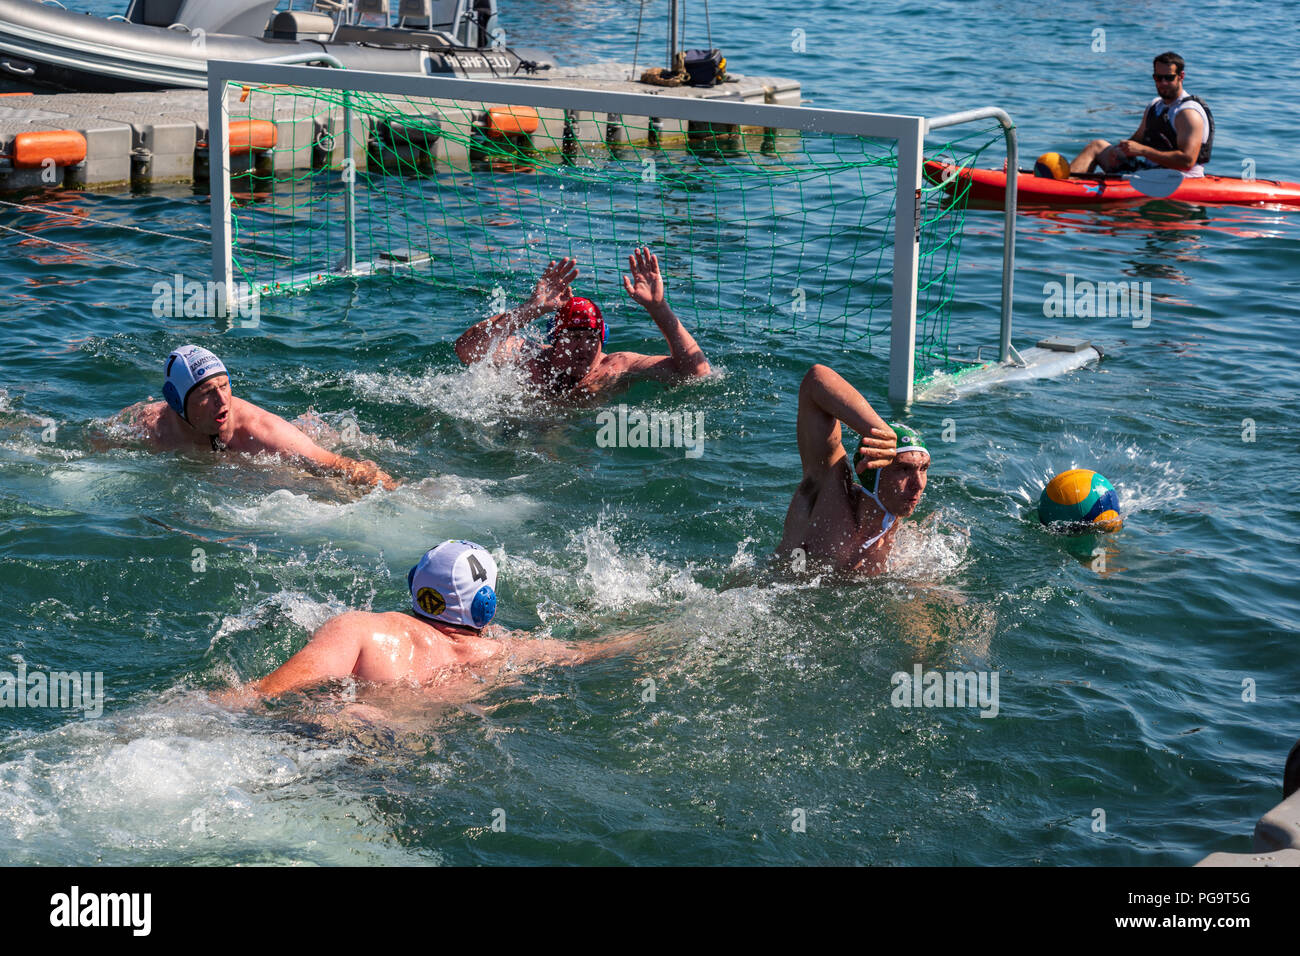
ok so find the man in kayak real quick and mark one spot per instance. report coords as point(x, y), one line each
point(199, 412)
point(1177, 131)
point(445, 641)
point(573, 364)
point(831, 519)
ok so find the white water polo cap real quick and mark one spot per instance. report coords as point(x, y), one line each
point(186, 368)
point(455, 583)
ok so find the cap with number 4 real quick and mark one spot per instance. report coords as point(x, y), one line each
point(455, 583)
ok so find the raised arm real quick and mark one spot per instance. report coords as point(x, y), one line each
point(685, 358)
point(332, 652)
point(825, 400)
point(282, 438)
point(495, 337)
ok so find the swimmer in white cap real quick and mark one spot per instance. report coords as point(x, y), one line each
point(832, 519)
point(574, 363)
point(200, 412)
point(446, 638)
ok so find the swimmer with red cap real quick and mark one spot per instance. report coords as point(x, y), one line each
point(199, 412)
point(575, 363)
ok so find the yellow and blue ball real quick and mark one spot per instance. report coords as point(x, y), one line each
point(1081, 500)
point(1052, 166)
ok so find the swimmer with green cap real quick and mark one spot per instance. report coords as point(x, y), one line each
point(199, 412)
point(832, 519)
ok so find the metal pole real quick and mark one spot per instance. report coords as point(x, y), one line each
point(907, 236)
point(219, 185)
point(672, 32)
point(1008, 207)
point(350, 189)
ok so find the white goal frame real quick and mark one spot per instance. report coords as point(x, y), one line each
point(908, 132)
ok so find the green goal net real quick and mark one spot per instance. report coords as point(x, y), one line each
point(756, 228)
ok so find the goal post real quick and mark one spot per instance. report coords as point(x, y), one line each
point(434, 177)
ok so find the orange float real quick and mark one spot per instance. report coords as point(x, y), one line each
point(246, 135)
point(511, 121)
point(64, 146)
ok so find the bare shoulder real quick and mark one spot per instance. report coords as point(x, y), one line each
point(267, 430)
point(144, 420)
point(254, 415)
point(364, 623)
point(143, 415)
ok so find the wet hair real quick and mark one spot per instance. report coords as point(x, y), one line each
point(1173, 59)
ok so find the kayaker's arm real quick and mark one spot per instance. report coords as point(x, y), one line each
point(1191, 132)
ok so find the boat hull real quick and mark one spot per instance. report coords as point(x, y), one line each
point(990, 185)
point(45, 46)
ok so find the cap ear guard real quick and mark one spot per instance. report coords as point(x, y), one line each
point(173, 399)
point(484, 606)
point(870, 478)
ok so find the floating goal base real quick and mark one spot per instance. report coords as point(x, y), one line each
point(1049, 358)
point(392, 261)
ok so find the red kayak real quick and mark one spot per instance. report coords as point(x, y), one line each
point(990, 185)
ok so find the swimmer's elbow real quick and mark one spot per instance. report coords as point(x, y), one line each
point(813, 380)
point(464, 351)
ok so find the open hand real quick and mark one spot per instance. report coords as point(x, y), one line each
point(878, 450)
point(646, 285)
point(552, 289)
point(368, 473)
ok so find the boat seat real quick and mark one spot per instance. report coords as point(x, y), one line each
point(302, 25)
point(154, 13)
point(367, 9)
point(428, 14)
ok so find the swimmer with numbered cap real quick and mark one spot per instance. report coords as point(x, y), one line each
point(199, 411)
point(447, 631)
point(574, 363)
point(832, 518)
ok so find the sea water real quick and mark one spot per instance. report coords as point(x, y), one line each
point(1144, 679)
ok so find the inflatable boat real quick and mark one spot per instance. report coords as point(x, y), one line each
point(990, 185)
point(164, 44)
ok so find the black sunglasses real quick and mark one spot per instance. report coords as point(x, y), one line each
point(1163, 76)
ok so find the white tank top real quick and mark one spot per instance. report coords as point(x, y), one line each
point(1172, 111)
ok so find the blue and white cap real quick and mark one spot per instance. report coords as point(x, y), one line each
point(186, 367)
point(456, 583)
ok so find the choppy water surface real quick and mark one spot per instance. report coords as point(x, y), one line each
point(1121, 662)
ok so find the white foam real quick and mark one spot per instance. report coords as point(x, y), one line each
point(183, 778)
point(336, 430)
point(1142, 481)
point(302, 610)
point(403, 520)
point(483, 393)
point(931, 549)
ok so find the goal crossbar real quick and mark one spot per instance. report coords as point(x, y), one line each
point(907, 132)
